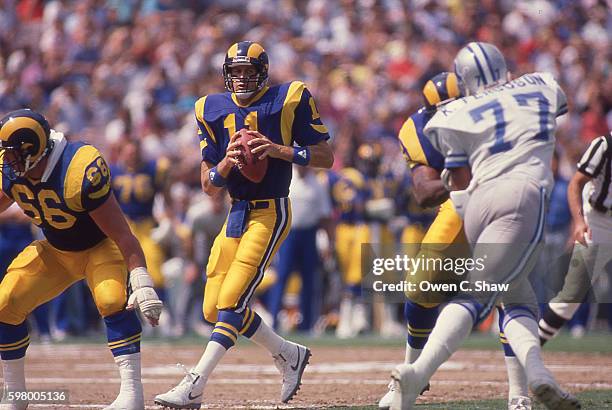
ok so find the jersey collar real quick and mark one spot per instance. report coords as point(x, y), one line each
point(59, 143)
point(257, 97)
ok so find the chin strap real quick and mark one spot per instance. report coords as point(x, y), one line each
point(29, 166)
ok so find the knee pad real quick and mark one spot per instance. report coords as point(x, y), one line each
point(108, 305)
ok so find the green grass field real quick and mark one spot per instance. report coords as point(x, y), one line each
point(595, 399)
point(590, 343)
point(595, 343)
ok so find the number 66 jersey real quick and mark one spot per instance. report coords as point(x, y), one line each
point(505, 128)
point(76, 181)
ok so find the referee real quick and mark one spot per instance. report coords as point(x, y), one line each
point(592, 234)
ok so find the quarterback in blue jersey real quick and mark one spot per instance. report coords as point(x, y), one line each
point(287, 128)
point(64, 187)
point(135, 183)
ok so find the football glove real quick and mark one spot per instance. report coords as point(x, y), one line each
point(143, 296)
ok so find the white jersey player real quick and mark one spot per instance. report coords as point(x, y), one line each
point(501, 136)
point(504, 129)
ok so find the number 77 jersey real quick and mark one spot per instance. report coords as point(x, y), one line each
point(506, 128)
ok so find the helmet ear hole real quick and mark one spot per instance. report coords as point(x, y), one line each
point(25, 134)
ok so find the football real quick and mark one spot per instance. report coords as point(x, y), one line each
point(250, 166)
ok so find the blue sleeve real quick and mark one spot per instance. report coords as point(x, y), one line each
point(308, 129)
point(208, 143)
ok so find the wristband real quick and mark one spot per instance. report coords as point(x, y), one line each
point(301, 155)
point(140, 278)
point(216, 178)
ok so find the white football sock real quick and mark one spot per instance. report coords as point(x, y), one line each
point(411, 354)
point(129, 370)
point(522, 334)
point(453, 325)
point(564, 310)
point(517, 380)
point(266, 337)
point(212, 356)
point(14, 374)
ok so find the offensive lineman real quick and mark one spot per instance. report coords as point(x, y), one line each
point(278, 116)
point(64, 187)
point(444, 237)
point(498, 144)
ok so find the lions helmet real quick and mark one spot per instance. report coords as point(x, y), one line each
point(24, 141)
point(246, 53)
point(442, 87)
point(479, 66)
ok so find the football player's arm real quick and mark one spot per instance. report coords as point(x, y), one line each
point(308, 132)
point(98, 200)
point(574, 199)
point(321, 155)
point(5, 202)
point(111, 221)
point(428, 189)
point(456, 163)
point(213, 185)
point(460, 178)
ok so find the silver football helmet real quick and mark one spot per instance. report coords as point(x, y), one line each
point(479, 66)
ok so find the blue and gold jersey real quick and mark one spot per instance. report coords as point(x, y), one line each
point(349, 192)
point(285, 113)
point(135, 189)
point(60, 206)
point(416, 147)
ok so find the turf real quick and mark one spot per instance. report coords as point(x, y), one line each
point(590, 343)
point(594, 399)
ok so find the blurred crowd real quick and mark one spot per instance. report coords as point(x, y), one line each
point(107, 71)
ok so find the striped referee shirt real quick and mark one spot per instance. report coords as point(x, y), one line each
point(597, 164)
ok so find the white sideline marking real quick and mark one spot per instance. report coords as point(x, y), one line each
point(276, 381)
point(322, 368)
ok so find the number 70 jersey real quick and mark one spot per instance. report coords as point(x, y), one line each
point(507, 128)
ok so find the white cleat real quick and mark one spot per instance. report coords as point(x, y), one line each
point(550, 395)
point(408, 386)
point(187, 395)
point(387, 399)
point(519, 403)
point(291, 362)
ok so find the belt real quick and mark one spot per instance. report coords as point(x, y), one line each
point(258, 204)
point(239, 215)
point(601, 209)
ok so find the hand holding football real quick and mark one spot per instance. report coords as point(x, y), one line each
point(253, 168)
